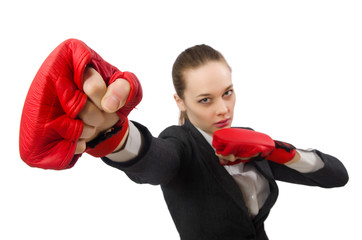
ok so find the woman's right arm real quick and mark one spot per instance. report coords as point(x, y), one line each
point(99, 113)
point(144, 158)
point(158, 160)
point(130, 146)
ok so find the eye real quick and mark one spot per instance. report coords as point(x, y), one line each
point(205, 100)
point(229, 92)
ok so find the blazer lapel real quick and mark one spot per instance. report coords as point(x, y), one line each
point(211, 162)
point(263, 167)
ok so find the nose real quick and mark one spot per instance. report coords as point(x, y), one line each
point(222, 108)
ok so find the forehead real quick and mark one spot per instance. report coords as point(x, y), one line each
point(210, 78)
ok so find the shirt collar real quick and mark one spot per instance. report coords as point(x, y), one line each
point(207, 136)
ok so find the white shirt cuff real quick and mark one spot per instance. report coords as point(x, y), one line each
point(132, 147)
point(309, 162)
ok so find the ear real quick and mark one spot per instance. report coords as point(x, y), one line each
point(180, 103)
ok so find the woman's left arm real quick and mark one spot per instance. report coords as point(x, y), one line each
point(305, 161)
point(313, 168)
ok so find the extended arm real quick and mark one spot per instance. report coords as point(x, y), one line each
point(144, 158)
point(287, 163)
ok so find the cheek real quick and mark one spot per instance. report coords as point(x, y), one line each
point(202, 115)
point(208, 112)
point(232, 107)
point(232, 104)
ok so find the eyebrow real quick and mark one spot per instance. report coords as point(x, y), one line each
point(208, 94)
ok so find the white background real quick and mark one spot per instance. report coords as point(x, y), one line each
point(296, 67)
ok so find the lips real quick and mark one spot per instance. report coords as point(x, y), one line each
point(223, 123)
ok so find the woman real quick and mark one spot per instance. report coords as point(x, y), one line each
point(208, 197)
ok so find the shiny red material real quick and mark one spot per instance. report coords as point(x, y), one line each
point(245, 143)
point(50, 128)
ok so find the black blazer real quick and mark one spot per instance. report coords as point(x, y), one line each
point(203, 199)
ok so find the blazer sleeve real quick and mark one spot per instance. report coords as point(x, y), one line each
point(333, 174)
point(159, 159)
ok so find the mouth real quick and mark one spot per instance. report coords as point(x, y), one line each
point(223, 123)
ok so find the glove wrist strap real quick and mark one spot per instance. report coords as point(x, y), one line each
point(107, 142)
point(283, 153)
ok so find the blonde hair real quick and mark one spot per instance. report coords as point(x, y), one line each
point(192, 58)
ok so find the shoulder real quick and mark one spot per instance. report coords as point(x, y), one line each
point(182, 137)
point(171, 131)
point(176, 133)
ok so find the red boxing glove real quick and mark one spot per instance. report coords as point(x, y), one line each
point(49, 128)
point(282, 153)
point(242, 143)
point(245, 143)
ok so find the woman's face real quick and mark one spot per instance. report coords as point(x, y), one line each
point(209, 97)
